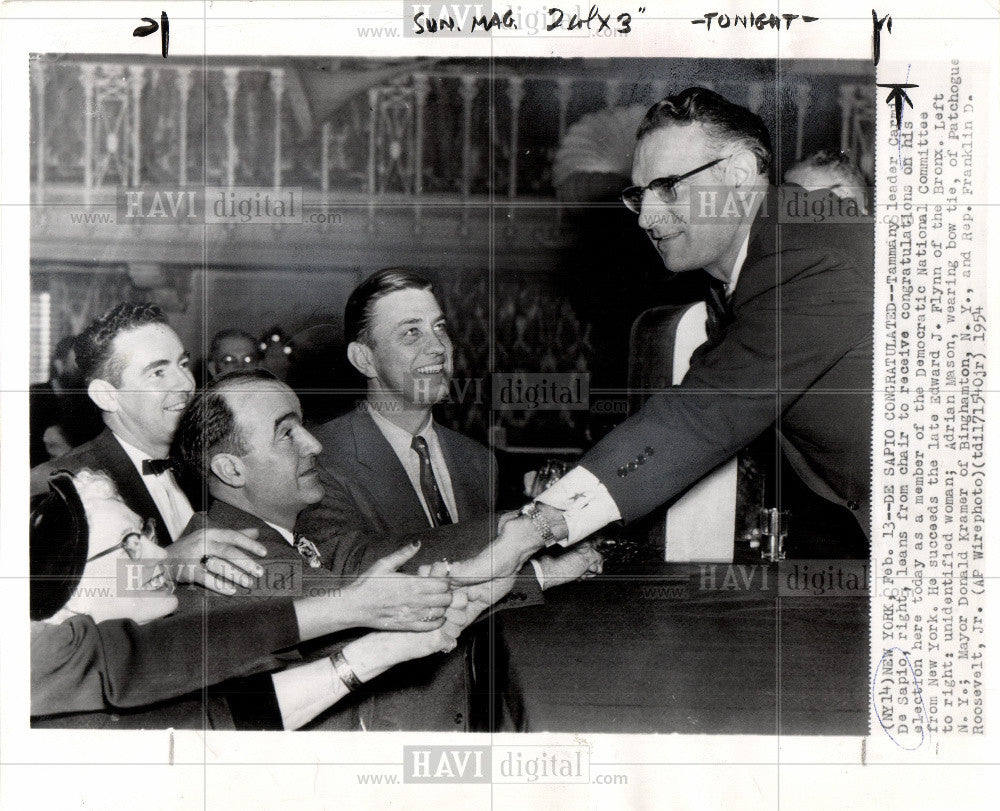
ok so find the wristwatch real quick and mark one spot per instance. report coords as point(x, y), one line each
point(541, 526)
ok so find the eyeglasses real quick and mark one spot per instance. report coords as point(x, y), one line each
point(663, 187)
point(131, 542)
point(235, 360)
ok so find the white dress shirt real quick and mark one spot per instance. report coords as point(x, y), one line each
point(401, 441)
point(586, 504)
point(734, 277)
point(164, 490)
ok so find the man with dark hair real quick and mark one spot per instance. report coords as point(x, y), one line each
point(389, 470)
point(136, 371)
point(380, 481)
point(790, 332)
point(244, 435)
point(230, 351)
point(360, 305)
point(725, 126)
point(60, 406)
point(208, 424)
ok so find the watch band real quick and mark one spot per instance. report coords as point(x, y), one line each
point(538, 521)
point(344, 672)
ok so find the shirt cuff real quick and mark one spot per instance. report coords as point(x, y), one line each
point(538, 573)
point(585, 502)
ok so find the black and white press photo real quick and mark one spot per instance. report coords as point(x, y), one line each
point(462, 293)
point(494, 396)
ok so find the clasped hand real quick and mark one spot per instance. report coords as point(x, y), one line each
point(389, 600)
point(516, 542)
point(216, 559)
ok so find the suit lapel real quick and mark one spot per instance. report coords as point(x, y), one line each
point(762, 243)
point(469, 482)
point(385, 476)
point(229, 517)
point(130, 484)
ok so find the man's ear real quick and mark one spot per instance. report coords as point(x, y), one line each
point(104, 395)
point(742, 168)
point(360, 356)
point(228, 469)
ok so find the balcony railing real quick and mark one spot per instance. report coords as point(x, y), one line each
point(412, 133)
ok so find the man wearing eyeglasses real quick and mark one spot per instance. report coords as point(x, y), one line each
point(232, 350)
point(790, 332)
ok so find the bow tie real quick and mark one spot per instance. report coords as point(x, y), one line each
point(154, 467)
point(308, 550)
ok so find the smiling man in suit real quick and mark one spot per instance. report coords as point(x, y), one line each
point(243, 435)
point(137, 373)
point(790, 331)
point(389, 470)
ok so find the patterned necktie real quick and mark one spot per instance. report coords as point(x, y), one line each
point(429, 486)
point(307, 549)
point(720, 313)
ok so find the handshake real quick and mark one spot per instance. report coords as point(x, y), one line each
point(420, 615)
point(432, 607)
point(446, 597)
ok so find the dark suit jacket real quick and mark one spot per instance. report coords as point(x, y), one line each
point(370, 509)
point(798, 353)
point(105, 453)
point(250, 699)
point(246, 637)
point(80, 666)
point(286, 572)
